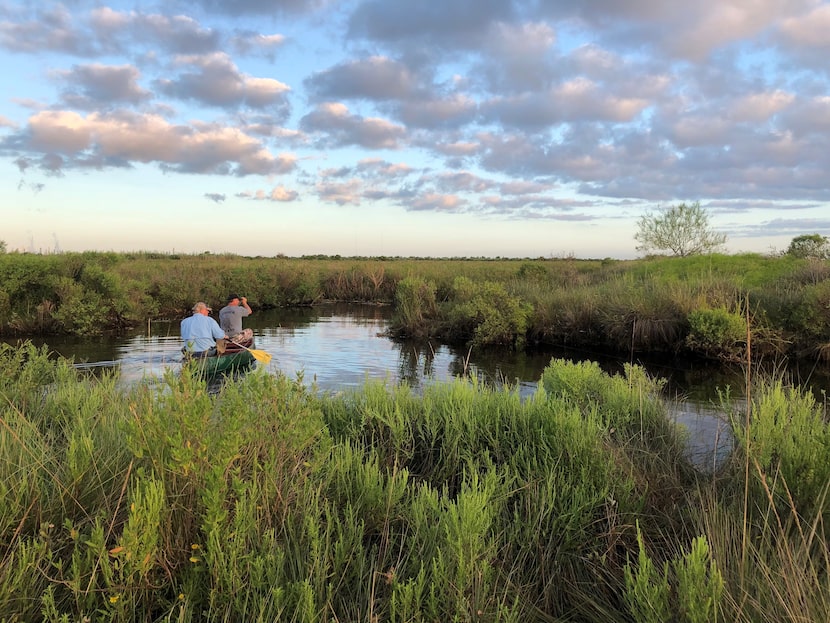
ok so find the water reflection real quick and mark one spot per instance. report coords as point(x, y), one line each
point(709, 439)
point(337, 348)
point(340, 346)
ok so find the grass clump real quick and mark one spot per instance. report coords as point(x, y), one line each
point(786, 442)
point(415, 308)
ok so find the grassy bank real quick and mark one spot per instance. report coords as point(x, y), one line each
point(702, 305)
point(270, 502)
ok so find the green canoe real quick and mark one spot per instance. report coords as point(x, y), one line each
point(234, 359)
point(222, 364)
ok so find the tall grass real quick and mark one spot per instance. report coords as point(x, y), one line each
point(267, 501)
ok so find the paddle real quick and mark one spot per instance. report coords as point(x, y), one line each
point(259, 355)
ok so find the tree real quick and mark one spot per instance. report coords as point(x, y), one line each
point(682, 229)
point(812, 246)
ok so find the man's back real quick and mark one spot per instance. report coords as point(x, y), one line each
point(230, 319)
point(200, 332)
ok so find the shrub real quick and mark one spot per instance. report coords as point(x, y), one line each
point(697, 589)
point(626, 402)
point(788, 442)
point(813, 311)
point(80, 311)
point(813, 246)
point(717, 333)
point(533, 271)
point(485, 314)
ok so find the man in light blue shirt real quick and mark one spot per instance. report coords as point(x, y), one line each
point(200, 331)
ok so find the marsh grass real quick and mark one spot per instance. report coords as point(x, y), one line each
point(775, 568)
point(268, 501)
point(629, 306)
point(415, 308)
point(641, 317)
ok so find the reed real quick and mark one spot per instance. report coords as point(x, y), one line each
point(415, 308)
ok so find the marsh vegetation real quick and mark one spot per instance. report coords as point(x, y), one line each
point(699, 305)
point(268, 501)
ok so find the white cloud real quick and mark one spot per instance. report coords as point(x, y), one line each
point(127, 137)
point(757, 107)
point(338, 126)
point(810, 28)
point(279, 194)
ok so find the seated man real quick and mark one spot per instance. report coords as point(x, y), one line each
point(230, 318)
point(200, 332)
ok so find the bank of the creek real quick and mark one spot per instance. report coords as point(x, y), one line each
point(336, 347)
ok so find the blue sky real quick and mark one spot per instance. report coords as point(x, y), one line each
point(523, 128)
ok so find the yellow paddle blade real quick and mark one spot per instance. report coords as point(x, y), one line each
point(260, 355)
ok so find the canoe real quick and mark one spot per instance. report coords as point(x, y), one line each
point(233, 359)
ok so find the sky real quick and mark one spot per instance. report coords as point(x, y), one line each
point(451, 128)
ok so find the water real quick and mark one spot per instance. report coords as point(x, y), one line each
point(337, 347)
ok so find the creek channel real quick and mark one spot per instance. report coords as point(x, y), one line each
point(341, 346)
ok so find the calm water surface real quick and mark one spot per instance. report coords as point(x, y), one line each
point(339, 347)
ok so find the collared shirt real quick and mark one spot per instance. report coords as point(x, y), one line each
point(200, 333)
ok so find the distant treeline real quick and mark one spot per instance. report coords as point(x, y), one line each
point(707, 305)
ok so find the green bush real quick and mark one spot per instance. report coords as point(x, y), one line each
point(787, 441)
point(268, 502)
point(485, 314)
point(495, 483)
point(80, 311)
point(626, 403)
point(811, 313)
point(717, 333)
point(691, 595)
point(628, 306)
point(533, 271)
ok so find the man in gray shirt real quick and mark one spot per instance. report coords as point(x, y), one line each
point(230, 318)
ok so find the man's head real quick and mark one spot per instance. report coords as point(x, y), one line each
point(201, 308)
point(233, 299)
